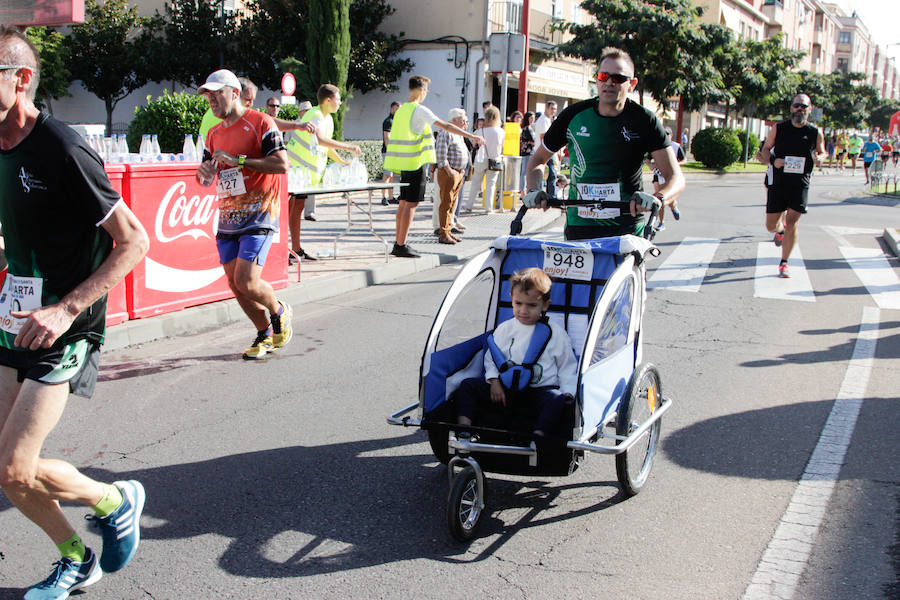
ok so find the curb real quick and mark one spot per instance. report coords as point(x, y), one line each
point(892, 237)
point(206, 316)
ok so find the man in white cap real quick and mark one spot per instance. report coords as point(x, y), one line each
point(245, 156)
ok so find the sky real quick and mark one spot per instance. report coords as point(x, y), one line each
point(881, 17)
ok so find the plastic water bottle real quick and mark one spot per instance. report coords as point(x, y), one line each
point(188, 149)
point(123, 148)
point(201, 145)
point(146, 149)
point(154, 146)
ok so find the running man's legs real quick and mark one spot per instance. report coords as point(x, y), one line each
point(791, 232)
point(28, 413)
point(252, 292)
point(774, 222)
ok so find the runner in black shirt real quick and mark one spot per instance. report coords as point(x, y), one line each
point(60, 218)
point(793, 148)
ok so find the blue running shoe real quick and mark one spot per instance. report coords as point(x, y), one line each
point(676, 213)
point(121, 529)
point(67, 577)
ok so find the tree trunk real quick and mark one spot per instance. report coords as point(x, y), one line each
point(110, 105)
point(328, 48)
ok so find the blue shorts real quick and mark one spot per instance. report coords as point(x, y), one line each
point(250, 246)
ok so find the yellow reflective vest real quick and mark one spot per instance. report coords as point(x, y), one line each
point(407, 151)
point(303, 152)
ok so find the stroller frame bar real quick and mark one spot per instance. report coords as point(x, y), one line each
point(629, 441)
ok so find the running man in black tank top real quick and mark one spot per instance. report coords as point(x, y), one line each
point(793, 148)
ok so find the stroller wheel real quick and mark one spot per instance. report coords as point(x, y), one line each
point(641, 400)
point(464, 507)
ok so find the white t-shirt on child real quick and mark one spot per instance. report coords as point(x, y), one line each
point(557, 363)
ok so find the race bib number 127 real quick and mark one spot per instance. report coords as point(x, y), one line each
point(568, 263)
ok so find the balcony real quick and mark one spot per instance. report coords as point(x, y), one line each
point(506, 17)
point(774, 11)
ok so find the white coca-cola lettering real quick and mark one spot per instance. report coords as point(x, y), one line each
point(195, 213)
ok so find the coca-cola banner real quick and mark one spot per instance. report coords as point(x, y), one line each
point(116, 304)
point(182, 266)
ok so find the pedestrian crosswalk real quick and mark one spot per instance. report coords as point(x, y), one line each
point(686, 266)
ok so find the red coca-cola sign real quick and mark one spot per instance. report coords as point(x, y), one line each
point(182, 266)
point(116, 299)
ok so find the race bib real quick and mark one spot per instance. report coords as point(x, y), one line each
point(230, 183)
point(568, 263)
point(599, 191)
point(794, 164)
point(870, 156)
point(18, 293)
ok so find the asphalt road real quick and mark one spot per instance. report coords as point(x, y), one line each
point(280, 479)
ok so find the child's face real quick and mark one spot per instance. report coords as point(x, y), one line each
point(528, 306)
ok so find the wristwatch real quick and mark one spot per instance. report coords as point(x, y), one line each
point(241, 159)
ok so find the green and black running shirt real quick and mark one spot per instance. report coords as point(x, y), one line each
point(54, 196)
point(606, 157)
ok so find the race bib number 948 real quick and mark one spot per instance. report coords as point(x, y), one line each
point(568, 263)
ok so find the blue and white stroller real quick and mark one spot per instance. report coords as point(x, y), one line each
point(598, 295)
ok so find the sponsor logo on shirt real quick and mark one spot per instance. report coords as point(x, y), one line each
point(583, 132)
point(629, 135)
point(30, 182)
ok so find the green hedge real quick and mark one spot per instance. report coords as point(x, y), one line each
point(171, 117)
point(715, 147)
point(754, 143)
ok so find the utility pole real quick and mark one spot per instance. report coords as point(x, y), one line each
point(523, 74)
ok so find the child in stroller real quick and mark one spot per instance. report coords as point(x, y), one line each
point(530, 363)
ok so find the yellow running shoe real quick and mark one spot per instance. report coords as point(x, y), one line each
point(261, 346)
point(281, 326)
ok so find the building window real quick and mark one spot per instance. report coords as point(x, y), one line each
point(845, 37)
point(556, 9)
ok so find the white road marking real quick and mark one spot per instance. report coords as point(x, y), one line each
point(788, 552)
point(686, 266)
point(876, 273)
point(767, 283)
point(838, 232)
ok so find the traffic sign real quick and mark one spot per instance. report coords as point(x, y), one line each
point(288, 84)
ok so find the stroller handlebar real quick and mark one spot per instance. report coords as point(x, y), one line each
point(515, 227)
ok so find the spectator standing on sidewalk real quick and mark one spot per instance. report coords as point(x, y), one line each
point(387, 196)
point(541, 126)
point(311, 151)
point(488, 161)
point(245, 156)
point(410, 150)
point(526, 145)
point(452, 160)
point(793, 147)
point(69, 239)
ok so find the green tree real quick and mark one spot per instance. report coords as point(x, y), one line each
point(186, 41)
point(664, 38)
point(104, 53)
point(55, 76)
point(851, 100)
point(880, 116)
point(272, 39)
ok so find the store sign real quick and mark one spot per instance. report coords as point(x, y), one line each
point(42, 12)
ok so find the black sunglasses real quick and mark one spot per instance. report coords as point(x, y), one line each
point(616, 77)
point(273, 105)
point(798, 105)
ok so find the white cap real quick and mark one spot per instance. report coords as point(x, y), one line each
point(305, 105)
point(219, 79)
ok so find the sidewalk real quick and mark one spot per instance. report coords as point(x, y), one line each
point(360, 261)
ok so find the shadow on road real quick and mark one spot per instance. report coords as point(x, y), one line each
point(299, 511)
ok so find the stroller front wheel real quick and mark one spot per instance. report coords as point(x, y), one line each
point(464, 507)
point(641, 400)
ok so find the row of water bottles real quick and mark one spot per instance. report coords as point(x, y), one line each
point(114, 149)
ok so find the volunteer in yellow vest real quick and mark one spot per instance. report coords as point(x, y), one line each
point(304, 153)
point(410, 149)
